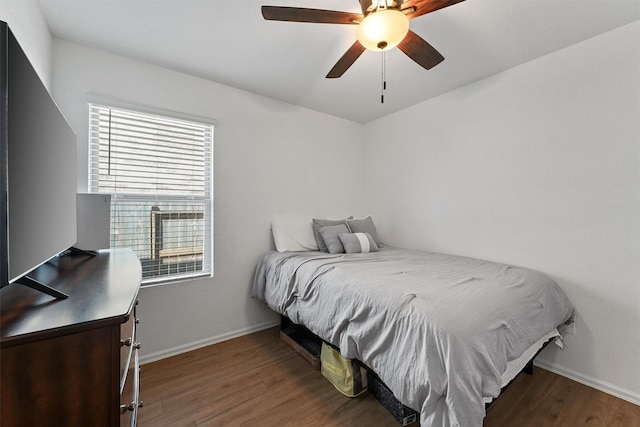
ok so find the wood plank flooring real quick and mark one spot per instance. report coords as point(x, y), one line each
point(256, 380)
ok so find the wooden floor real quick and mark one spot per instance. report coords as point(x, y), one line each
point(256, 380)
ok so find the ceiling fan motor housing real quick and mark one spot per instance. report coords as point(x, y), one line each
point(369, 6)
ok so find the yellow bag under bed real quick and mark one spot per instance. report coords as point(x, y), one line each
point(348, 376)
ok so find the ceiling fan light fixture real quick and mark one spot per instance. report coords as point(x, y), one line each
point(383, 29)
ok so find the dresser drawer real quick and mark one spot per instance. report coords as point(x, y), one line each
point(127, 339)
point(130, 397)
point(129, 370)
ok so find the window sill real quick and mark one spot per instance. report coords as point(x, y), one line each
point(175, 280)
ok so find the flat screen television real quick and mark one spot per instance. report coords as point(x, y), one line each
point(38, 171)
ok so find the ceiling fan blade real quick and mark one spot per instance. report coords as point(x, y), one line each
point(416, 48)
point(422, 7)
point(346, 61)
point(300, 14)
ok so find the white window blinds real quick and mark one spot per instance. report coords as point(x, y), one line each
point(159, 173)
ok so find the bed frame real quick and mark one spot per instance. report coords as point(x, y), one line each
point(308, 346)
point(528, 369)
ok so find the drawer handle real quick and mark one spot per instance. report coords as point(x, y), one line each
point(130, 407)
point(127, 342)
point(136, 346)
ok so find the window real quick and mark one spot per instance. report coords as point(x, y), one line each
point(159, 173)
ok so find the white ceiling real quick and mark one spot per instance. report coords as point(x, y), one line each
point(229, 42)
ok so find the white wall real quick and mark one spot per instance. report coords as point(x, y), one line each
point(536, 166)
point(271, 160)
point(30, 29)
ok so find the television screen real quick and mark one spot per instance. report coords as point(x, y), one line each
point(39, 168)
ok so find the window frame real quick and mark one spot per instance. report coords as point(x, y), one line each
point(207, 199)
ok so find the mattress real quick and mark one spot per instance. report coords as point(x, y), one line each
point(439, 330)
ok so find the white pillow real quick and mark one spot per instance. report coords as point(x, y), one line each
point(293, 235)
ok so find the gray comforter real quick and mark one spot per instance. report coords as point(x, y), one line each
point(438, 329)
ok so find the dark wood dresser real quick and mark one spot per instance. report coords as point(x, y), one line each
point(72, 362)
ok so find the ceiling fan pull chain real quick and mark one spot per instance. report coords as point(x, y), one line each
point(384, 76)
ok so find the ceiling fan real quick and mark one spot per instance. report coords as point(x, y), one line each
point(382, 25)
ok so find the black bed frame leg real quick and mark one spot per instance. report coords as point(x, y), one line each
point(529, 368)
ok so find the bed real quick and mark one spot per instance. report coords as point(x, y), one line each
point(445, 333)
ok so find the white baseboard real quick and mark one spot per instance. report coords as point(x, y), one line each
point(603, 386)
point(148, 358)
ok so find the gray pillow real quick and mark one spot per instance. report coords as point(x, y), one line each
point(318, 224)
point(364, 225)
point(355, 243)
point(331, 237)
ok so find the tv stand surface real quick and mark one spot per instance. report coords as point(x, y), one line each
point(63, 361)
